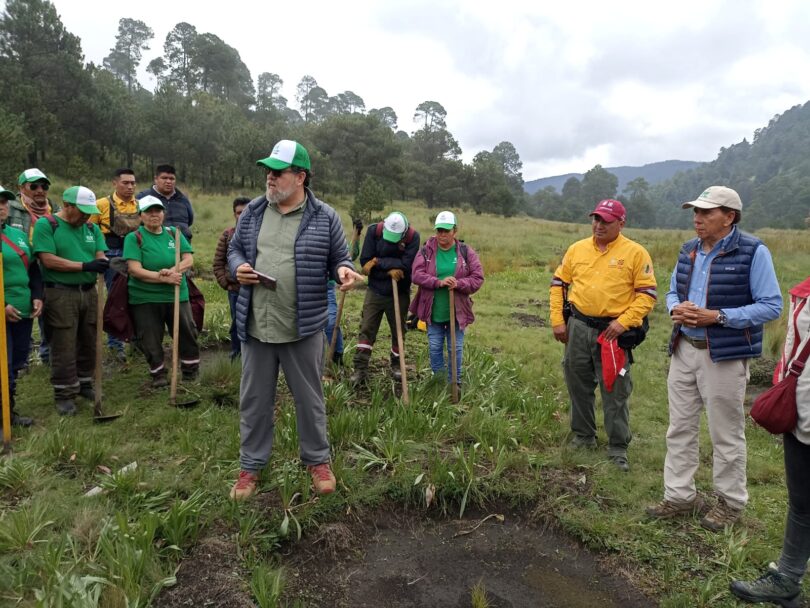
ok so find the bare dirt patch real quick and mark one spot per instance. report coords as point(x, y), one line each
point(210, 576)
point(527, 320)
point(402, 560)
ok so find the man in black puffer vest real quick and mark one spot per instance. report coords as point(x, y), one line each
point(388, 253)
point(722, 291)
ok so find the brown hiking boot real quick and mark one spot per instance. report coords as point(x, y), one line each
point(322, 478)
point(666, 508)
point(245, 486)
point(720, 516)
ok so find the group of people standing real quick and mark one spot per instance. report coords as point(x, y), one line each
point(288, 249)
point(52, 256)
point(722, 291)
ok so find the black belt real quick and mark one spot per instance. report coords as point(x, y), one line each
point(79, 287)
point(699, 344)
point(599, 323)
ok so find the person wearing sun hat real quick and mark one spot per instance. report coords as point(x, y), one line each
point(445, 263)
point(22, 290)
point(389, 250)
point(71, 252)
point(286, 247)
point(722, 291)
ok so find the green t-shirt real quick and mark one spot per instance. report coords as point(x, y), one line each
point(15, 274)
point(445, 267)
point(74, 243)
point(155, 253)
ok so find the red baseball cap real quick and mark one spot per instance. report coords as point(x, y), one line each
point(610, 210)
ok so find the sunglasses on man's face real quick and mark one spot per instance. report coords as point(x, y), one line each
point(279, 172)
point(35, 187)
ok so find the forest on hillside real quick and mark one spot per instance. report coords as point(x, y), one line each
point(207, 117)
point(211, 119)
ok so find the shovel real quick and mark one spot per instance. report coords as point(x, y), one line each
point(453, 362)
point(194, 399)
point(400, 342)
point(6, 398)
point(98, 414)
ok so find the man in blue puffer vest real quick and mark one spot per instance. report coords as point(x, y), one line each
point(286, 247)
point(722, 291)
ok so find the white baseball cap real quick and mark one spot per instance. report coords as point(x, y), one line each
point(445, 220)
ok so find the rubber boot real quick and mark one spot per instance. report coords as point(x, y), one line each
point(360, 374)
point(396, 372)
point(159, 379)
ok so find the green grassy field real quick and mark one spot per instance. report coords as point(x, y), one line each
point(505, 442)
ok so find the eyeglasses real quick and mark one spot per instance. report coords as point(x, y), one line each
point(279, 172)
point(35, 187)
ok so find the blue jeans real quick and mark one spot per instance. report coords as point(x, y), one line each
point(331, 310)
point(18, 347)
point(236, 346)
point(438, 335)
point(109, 275)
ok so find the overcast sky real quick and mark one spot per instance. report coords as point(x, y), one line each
point(569, 84)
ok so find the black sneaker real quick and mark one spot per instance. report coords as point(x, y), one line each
point(621, 463)
point(87, 392)
point(772, 586)
point(23, 421)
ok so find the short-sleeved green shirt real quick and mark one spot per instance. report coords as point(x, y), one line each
point(445, 267)
point(15, 274)
point(74, 243)
point(155, 253)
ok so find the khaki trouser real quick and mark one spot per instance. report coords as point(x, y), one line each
point(582, 365)
point(694, 381)
point(70, 327)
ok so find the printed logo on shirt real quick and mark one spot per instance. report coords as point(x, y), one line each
point(616, 263)
point(171, 244)
point(647, 269)
point(89, 238)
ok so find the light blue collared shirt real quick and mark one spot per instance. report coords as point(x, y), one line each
point(765, 290)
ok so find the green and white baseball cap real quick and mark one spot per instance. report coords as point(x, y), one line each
point(7, 194)
point(83, 198)
point(394, 227)
point(446, 220)
point(149, 201)
point(32, 175)
point(285, 154)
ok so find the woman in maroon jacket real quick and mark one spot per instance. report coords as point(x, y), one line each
point(445, 263)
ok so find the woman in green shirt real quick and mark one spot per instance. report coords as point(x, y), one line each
point(22, 289)
point(150, 255)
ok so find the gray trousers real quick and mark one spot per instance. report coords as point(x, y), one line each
point(583, 371)
point(301, 362)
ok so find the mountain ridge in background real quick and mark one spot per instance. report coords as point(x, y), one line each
point(654, 173)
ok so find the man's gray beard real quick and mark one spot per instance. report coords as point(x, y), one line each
point(279, 196)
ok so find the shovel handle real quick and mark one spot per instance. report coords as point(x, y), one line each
point(97, 410)
point(453, 361)
point(400, 341)
point(175, 321)
point(6, 395)
point(336, 328)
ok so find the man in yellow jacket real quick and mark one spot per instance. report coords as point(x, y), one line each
point(119, 216)
point(607, 280)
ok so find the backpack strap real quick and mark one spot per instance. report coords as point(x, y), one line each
point(112, 212)
point(52, 221)
point(16, 249)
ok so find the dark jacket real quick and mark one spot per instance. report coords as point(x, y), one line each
point(221, 272)
point(179, 211)
point(728, 286)
point(320, 249)
point(470, 277)
point(390, 256)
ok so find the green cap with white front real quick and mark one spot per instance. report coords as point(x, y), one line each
point(287, 153)
point(32, 175)
point(83, 198)
point(7, 194)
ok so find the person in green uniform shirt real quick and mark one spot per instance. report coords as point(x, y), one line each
point(150, 256)
point(71, 251)
point(445, 263)
point(22, 289)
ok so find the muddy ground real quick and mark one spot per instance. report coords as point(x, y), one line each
point(389, 558)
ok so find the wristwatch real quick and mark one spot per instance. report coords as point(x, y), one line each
point(722, 319)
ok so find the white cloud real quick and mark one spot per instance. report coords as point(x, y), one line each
point(569, 84)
